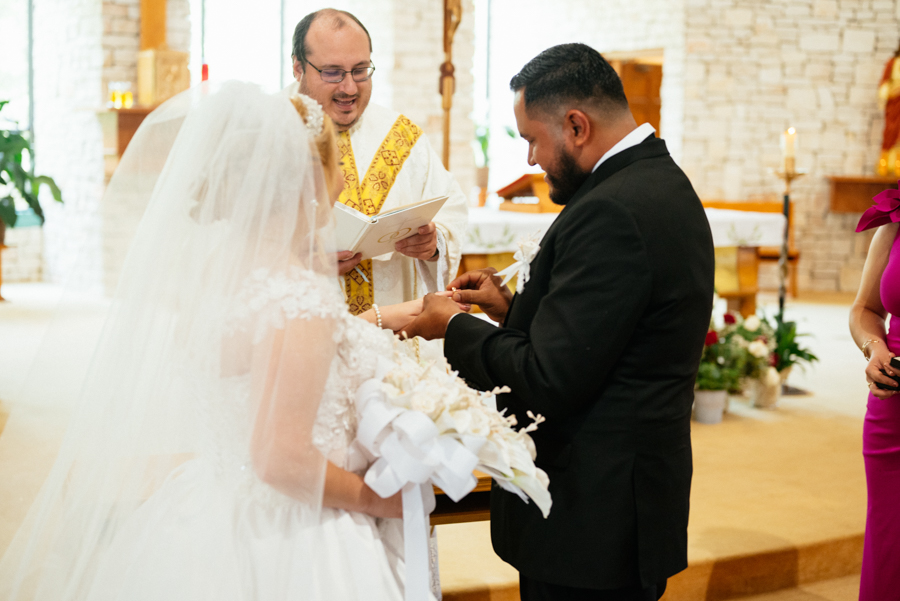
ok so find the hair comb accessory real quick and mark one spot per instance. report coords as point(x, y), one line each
point(314, 117)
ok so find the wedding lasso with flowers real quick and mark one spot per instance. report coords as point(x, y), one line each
point(420, 425)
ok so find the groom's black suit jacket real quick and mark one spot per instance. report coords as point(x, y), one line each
point(605, 342)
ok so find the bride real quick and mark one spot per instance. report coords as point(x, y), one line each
point(211, 455)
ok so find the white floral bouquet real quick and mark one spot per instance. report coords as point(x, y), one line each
point(443, 424)
point(419, 424)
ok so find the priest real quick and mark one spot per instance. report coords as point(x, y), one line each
point(386, 160)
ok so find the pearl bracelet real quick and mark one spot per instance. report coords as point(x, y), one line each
point(378, 321)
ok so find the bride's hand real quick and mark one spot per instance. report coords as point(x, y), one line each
point(396, 317)
point(392, 507)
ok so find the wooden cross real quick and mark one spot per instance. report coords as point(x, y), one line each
point(452, 17)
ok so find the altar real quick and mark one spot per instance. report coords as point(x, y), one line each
point(492, 236)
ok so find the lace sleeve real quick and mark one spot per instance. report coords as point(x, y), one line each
point(270, 299)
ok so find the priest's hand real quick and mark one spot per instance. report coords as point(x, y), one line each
point(346, 261)
point(421, 246)
point(432, 322)
point(481, 287)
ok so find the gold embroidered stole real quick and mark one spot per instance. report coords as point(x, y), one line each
point(368, 196)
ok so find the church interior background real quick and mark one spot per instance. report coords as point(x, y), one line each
point(778, 504)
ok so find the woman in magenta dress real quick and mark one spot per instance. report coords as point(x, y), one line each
point(878, 297)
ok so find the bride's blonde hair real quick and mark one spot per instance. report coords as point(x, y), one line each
point(325, 143)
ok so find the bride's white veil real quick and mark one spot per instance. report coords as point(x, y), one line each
point(205, 317)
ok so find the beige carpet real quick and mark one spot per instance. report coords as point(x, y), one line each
point(778, 497)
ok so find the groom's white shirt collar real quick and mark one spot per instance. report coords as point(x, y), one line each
point(637, 135)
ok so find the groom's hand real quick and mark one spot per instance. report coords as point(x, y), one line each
point(432, 321)
point(481, 287)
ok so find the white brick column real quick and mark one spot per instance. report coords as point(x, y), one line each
point(80, 46)
point(68, 143)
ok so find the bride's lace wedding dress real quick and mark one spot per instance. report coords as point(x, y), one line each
point(223, 383)
point(215, 531)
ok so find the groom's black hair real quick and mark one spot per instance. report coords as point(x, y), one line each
point(570, 74)
point(338, 20)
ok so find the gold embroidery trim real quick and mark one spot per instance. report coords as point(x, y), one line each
point(368, 196)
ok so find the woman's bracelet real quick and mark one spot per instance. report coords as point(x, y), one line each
point(378, 321)
point(865, 347)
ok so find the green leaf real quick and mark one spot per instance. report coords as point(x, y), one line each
point(40, 180)
point(11, 149)
point(3, 103)
point(35, 205)
point(8, 211)
point(13, 145)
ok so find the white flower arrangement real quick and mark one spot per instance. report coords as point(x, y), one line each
point(758, 348)
point(459, 419)
point(752, 323)
point(419, 424)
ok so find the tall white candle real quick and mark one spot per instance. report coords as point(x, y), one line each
point(789, 143)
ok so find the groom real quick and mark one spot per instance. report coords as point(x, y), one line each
point(604, 341)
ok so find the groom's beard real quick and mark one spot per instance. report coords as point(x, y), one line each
point(566, 179)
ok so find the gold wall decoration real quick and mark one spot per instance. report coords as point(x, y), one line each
point(162, 73)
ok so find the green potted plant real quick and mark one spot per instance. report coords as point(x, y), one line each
point(788, 351)
point(720, 370)
point(18, 186)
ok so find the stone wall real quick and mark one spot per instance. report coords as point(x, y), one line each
point(418, 55)
point(736, 74)
point(23, 259)
point(122, 36)
point(753, 69)
point(520, 29)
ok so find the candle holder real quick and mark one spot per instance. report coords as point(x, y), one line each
point(789, 174)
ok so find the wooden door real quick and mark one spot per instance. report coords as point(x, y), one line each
point(641, 82)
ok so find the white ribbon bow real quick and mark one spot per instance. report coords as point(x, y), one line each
point(528, 250)
point(410, 455)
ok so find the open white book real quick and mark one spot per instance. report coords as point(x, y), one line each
point(376, 235)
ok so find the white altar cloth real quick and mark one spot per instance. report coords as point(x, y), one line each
point(493, 231)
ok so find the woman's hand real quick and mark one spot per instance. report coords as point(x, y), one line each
point(395, 317)
point(392, 507)
point(880, 358)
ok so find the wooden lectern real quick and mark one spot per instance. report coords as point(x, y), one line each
point(529, 185)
